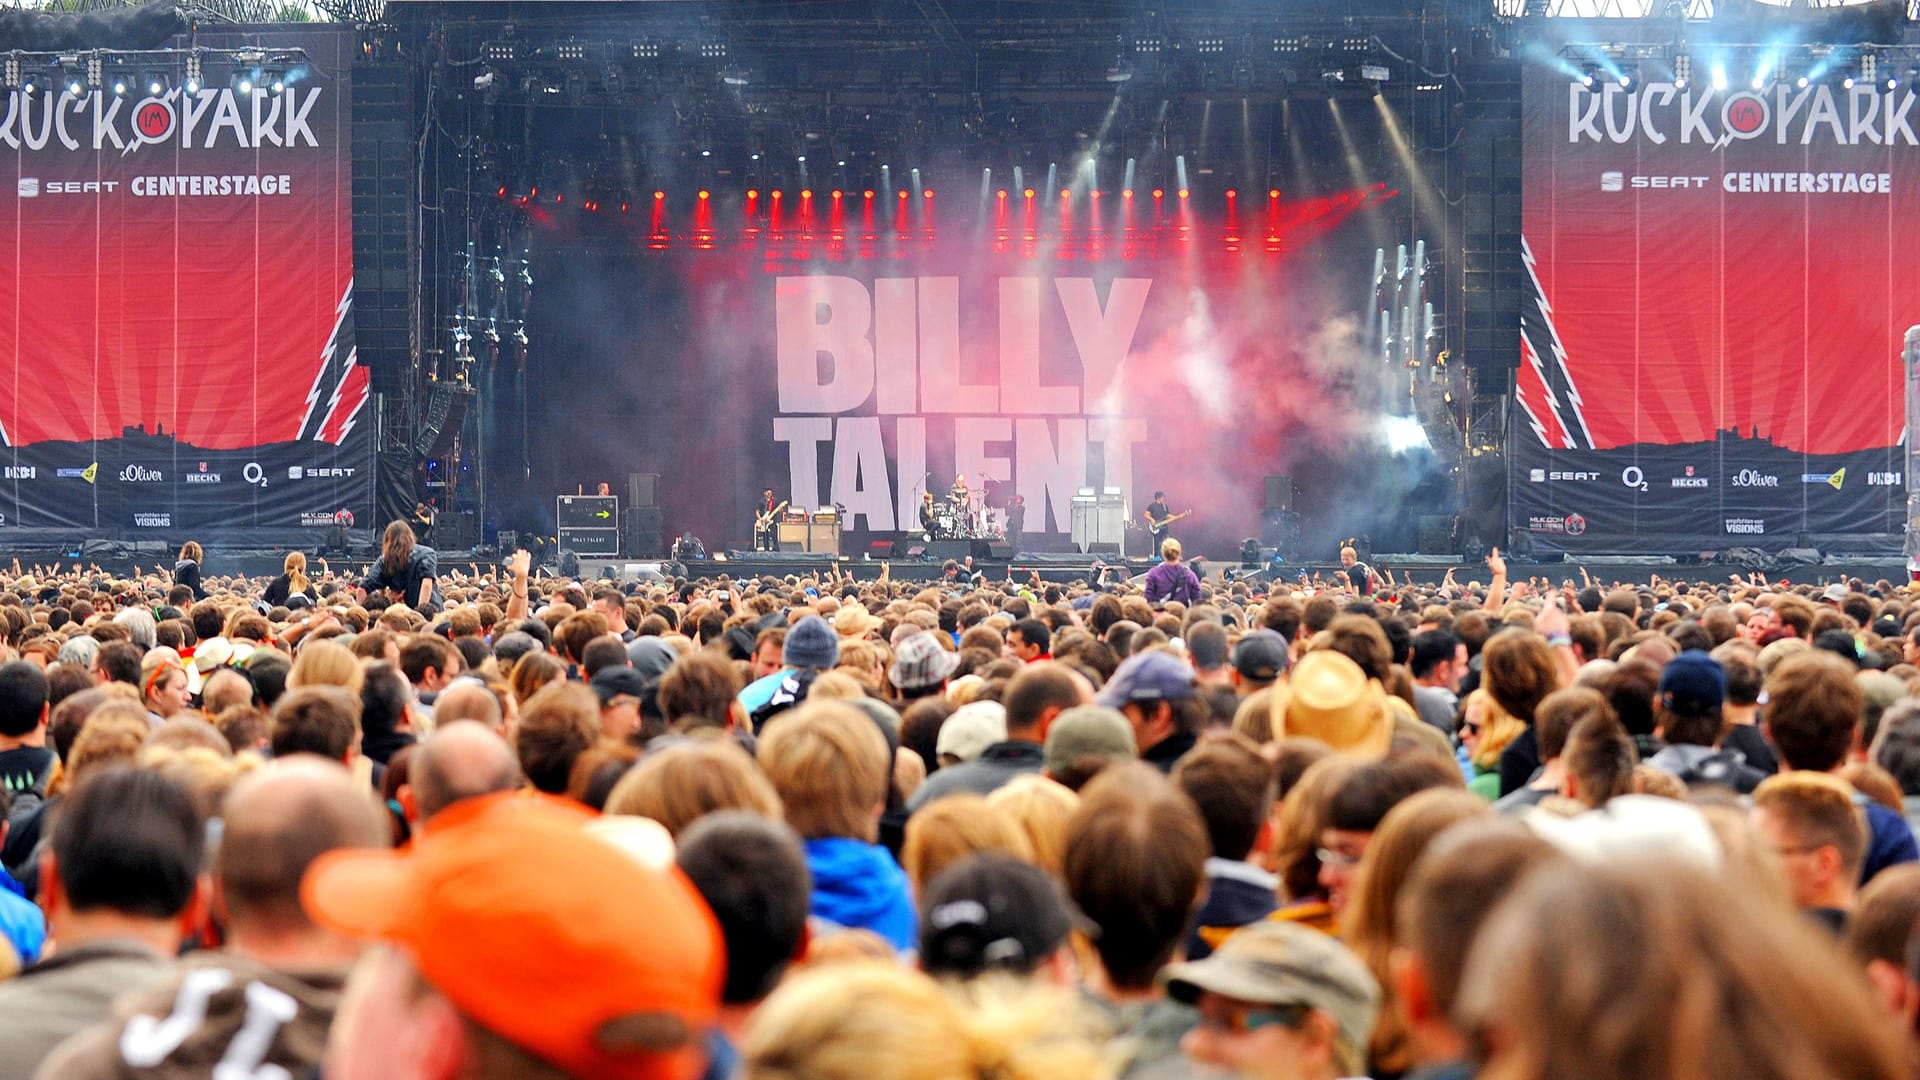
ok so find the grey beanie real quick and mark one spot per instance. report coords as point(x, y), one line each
point(811, 643)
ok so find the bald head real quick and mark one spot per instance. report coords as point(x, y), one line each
point(461, 760)
point(277, 821)
point(467, 699)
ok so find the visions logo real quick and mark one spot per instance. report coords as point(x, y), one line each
point(153, 521)
point(1613, 181)
point(1746, 526)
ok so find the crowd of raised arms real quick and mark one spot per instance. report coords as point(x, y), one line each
point(413, 822)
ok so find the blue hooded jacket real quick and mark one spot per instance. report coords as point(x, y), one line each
point(858, 885)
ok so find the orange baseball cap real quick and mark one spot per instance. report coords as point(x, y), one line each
point(542, 933)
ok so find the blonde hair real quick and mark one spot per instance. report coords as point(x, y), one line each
point(1403, 836)
point(327, 663)
point(679, 785)
point(205, 774)
point(949, 829)
point(1040, 808)
point(829, 765)
point(113, 734)
point(1651, 969)
point(1498, 728)
point(1170, 549)
point(876, 1020)
point(836, 685)
point(296, 571)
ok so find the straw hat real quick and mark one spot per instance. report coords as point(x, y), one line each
point(1330, 698)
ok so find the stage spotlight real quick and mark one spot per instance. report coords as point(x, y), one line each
point(156, 85)
point(1719, 77)
point(243, 85)
point(119, 87)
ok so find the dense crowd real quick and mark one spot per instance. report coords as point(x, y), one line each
point(413, 822)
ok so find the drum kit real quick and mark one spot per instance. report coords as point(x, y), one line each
point(973, 515)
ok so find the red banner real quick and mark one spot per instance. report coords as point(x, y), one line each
point(178, 293)
point(1721, 280)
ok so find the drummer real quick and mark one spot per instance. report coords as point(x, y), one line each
point(959, 492)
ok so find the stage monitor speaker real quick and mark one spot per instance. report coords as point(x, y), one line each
point(1101, 547)
point(880, 549)
point(643, 489)
point(455, 531)
point(1436, 535)
point(999, 550)
point(1279, 493)
point(1280, 530)
point(793, 546)
point(981, 549)
point(642, 532)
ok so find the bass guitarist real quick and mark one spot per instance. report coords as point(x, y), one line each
point(1160, 518)
point(764, 518)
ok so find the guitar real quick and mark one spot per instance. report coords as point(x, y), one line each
point(761, 522)
point(1158, 529)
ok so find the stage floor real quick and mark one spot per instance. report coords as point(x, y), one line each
point(1053, 568)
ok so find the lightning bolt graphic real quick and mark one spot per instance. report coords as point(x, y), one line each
point(333, 370)
point(1554, 375)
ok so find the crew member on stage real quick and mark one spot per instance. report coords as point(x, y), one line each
point(422, 521)
point(1359, 574)
point(604, 490)
point(1017, 523)
point(927, 515)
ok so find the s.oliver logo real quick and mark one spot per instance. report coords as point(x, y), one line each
point(140, 474)
point(1748, 478)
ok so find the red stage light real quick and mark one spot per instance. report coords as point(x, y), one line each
point(1127, 194)
point(503, 191)
point(1095, 194)
point(836, 196)
point(533, 193)
point(1065, 193)
point(806, 193)
point(903, 193)
point(1273, 193)
point(753, 193)
point(776, 194)
point(869, 193)
point(1183, 193)
point(1002, 193)
point(1232, 194)
point(559, 196)
point(659, 195)
point(706, 195)
point(623, 208)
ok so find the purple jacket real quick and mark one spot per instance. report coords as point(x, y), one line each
point(1172, 581)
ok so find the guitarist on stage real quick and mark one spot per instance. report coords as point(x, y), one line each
point(764, 517)
point(1160, 518)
